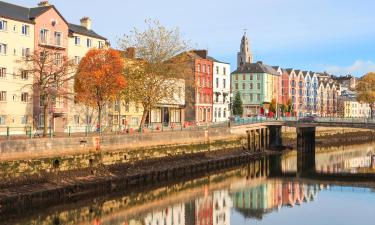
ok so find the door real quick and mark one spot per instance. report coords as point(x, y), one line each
point(59, 124)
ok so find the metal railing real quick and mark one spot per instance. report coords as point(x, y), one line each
point(8, 132)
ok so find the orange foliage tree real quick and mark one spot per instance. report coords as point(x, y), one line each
point(99, 79)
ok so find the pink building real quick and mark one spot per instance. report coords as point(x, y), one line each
point(51, 33)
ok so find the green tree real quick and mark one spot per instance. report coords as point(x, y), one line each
point(237, 105)
point(366, 90)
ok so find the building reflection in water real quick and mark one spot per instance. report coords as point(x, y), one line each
point(215, 208)
point(352, 159)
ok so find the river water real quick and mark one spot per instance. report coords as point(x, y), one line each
point(248, 194)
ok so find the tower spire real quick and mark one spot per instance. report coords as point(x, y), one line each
point(244, 55)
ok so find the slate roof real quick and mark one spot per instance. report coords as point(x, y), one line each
point(15, 12)
point(28, 15)
point(82, 30)
point(257, 67)
point(215, 60)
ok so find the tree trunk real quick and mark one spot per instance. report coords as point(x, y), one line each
point(144, 116)
point(45, 119)
point(100, 118)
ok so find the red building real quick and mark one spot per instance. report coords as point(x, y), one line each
point(199, 88)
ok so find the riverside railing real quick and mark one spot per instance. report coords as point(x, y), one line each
point(8, 132)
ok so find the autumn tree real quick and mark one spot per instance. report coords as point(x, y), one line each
point(50, 71)
point(154, 75)
point(366, 90)
point(273, 106)
point(99, 79)
point(237, 105)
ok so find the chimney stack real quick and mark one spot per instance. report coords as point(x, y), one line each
point(86, 22)
point(43, 4)
point(201, 53)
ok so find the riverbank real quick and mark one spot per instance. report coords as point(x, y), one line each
point(77, 184)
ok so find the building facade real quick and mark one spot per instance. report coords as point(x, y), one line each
point(255, 82)
point(39, 29)
point(221, 91)
point(17, 41)
point(198, 87)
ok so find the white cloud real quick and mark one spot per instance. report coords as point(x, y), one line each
point(358, 68)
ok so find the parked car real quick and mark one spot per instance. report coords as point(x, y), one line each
point(308, 119)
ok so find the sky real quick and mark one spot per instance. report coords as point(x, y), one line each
point(337, 36)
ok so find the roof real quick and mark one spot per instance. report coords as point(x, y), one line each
point(28, 15)
point(215, 60)
point(14, 12)
point(78, 29)
point(257, 67)
point(289, 70)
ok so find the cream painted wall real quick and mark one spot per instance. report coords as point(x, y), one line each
point(76, 110)
point(13, 108)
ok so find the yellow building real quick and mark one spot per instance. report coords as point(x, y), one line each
point(16, 42)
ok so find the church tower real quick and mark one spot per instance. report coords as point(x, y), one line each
point(244, 56)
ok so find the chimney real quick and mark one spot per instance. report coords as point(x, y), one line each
point(86, 22)
point(43, 4)
point(201, 53)
point(130, 53)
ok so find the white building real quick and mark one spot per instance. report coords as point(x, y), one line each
point(222, 206)
point(221, 91)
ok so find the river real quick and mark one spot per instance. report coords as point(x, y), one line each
point(248, 194)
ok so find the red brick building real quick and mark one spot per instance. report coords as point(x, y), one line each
point(199, 88)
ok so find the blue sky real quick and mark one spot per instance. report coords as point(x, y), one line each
point(337, 36)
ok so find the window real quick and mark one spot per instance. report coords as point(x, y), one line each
point(3, 72)
point(199, 68)
point(225, 113)
point(3, 49)
point(77, 40)
point(224, 71)
point(135, 121)
point(89, 43)
point(243, 77)
point(117, 106)
point(25, 97)
point(236, 86)
point(77, 59)
point(25, 52)
point(258, 77)
point(24, 119)
point(3, 96)
point(217, 70)
point(204, 68)
point(3, 25)
point(58, 102)
point(58, 59)
point(208, 69)
point(24, 75)
point(58, 38)
point(88, 119)
point(2, 119)
point(76, 119)
point(41, 120)
point(258, 86)
point(219, 113)
point(25, 30)
point(43, 36)
point(15, 28)
point(258, 97)
point(251, 97)
point(251, 86)
point(236, 77)
point(175, 115)
point(243, 86)
point(100, 44)
point(224, 83)
point(217, 82)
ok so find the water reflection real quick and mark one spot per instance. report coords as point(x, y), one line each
point(245, 195)
point(353, 159)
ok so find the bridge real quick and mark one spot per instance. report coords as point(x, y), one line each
point(264, 133)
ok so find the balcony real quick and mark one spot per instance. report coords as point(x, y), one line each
point(52, 42)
